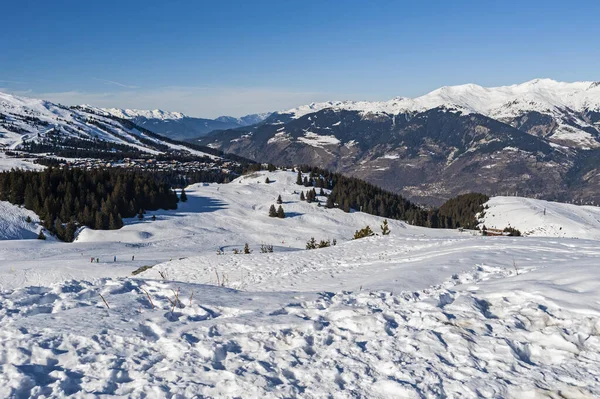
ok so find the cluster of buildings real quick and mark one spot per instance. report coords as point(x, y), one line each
point(149, 164)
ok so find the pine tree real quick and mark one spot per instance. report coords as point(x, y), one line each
point(70, 231)
point(272, 211)
point(279, 200)
point(302, 198)
point(267, 181)
point(330, 204)
point(280, 213)
point(311, 244)
point(362, 233)
point(183, 196)
point(247, 249)
point(41, 236)
point(385, 230)
point(140, 214)
point(299, 178)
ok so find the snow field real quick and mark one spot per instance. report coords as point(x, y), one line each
point(468, 340)
point(527, 215)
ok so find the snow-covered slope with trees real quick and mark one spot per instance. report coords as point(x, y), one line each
point(417, 313)
point(540, 218)
point(25, 120)
point(17, 223)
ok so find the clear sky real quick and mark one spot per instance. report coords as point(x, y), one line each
point(208, 58)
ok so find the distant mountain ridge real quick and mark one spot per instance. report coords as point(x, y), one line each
point(27, 122)
point(179, 126)
point(540, 137)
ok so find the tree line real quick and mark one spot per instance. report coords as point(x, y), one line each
point(352, 193)
point(67, 198)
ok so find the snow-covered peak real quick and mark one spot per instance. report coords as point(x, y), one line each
point(245, 120)
point(536, 95)
point(148, 114)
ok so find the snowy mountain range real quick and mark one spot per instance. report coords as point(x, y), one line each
point(26, 123)
point(539, 137)
point(574, 107)
point(179, 126)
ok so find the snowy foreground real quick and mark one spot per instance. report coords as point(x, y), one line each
point(419, 313)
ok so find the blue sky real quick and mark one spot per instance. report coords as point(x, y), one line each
point(209, 58)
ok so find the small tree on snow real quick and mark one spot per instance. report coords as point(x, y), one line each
point(302, 198)
point(267, 181)
point(362, 233)
point(280, 212)
point(385, 230)
point(279, 200)
point(272, 211)
point(247, 249)
point(311, 244)
point(183, 196)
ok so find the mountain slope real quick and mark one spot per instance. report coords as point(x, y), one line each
point(40, 126)
point(539, 137)
point(572, 108)
point(540, 218)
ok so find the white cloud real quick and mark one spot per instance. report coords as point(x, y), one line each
point(112, 82)
point(206, 102)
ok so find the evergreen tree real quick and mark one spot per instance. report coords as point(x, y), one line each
point(280, 213)
point(70, 230)
point(272, 211)
point(267, 181)
point(362, 233)
point(330, 204)
point(140, 214)
point(183, 196)
point(279, 200)
point(302, 198)
point(299, 178)
point(385, 229)
point(247, 249)
point(311, 244)
point(41, 235)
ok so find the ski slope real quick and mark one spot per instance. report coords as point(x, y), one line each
point(421, 313)
point(539, 218)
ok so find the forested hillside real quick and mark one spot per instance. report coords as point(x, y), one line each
point(68, 198)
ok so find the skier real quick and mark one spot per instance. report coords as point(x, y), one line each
point(92, 259)
point(115, 259)
point(132, 257)
point(97, 260)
